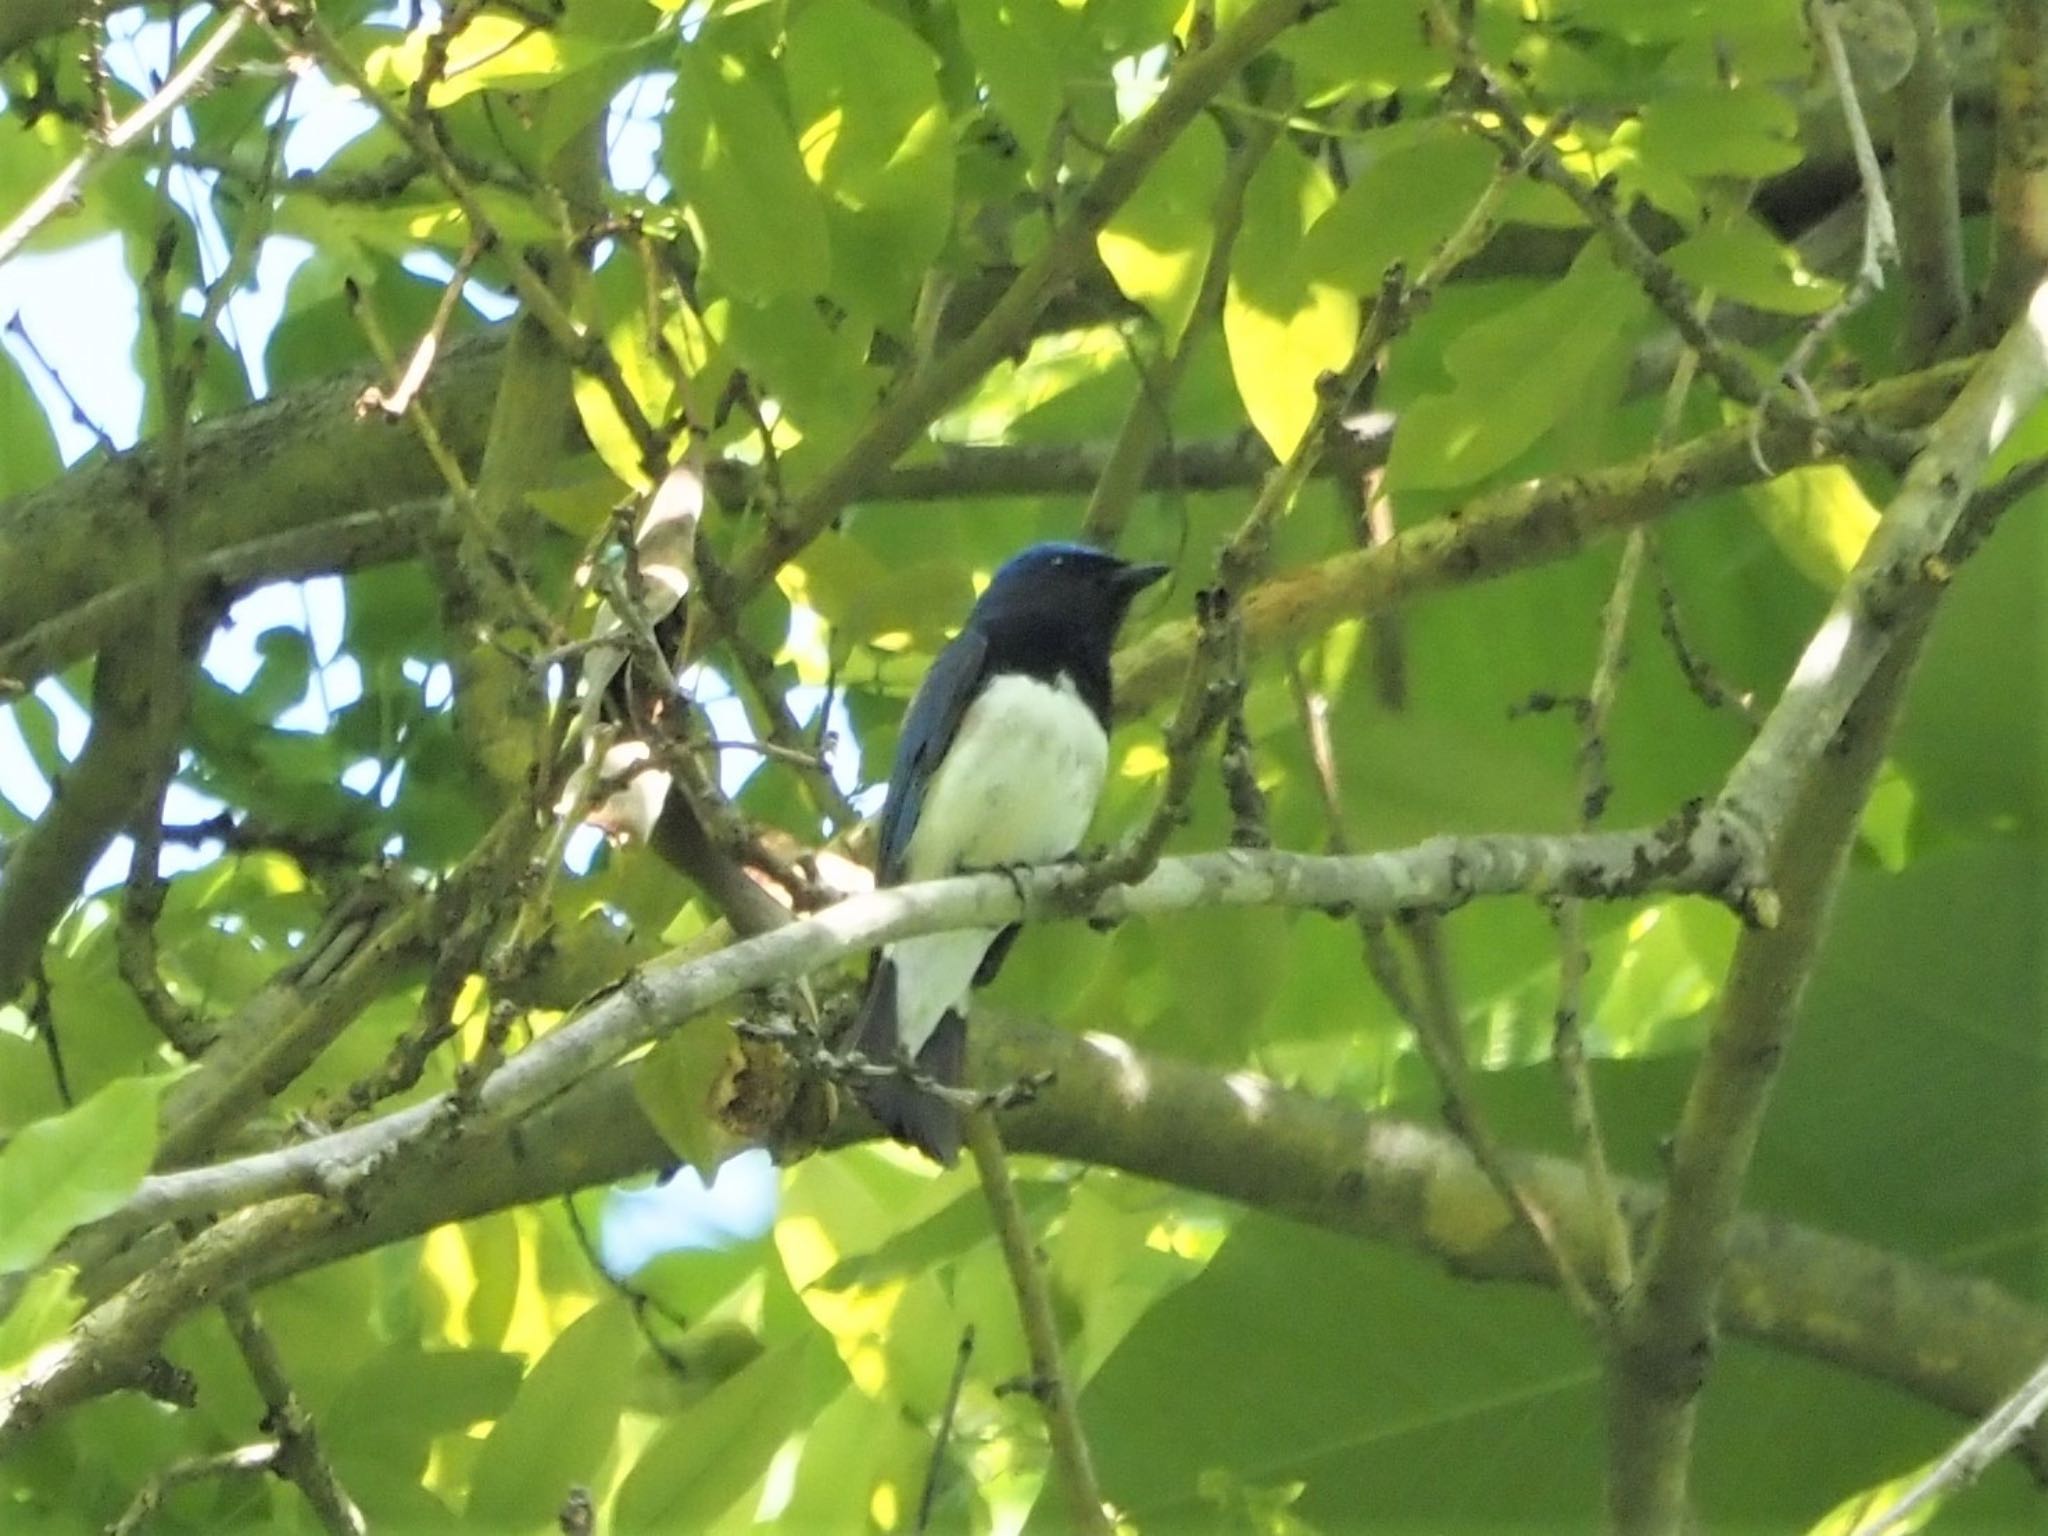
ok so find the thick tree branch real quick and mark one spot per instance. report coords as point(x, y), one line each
point(1900, 572)
point(275, 491)
point(1520, 526)
point(1928, 201)
point(1956, 1341)
point(1437, 875)
point(133, 727)
point(1802, 802)
point(2019, 175)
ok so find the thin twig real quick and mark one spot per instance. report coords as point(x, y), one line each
point(928, 1500)
point(1568, 1045)
point(299, 1456)
point(1434, 1020)
point(398, 400)
point(260, 1457)
point(1880, 231)
point(70, 182)
point(135, 942)
point(2001, 1430)
point(1073, 1464)
point(1146, 426)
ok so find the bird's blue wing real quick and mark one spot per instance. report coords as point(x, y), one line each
point(928, 728)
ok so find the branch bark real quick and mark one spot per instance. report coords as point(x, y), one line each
point(1929, 202)
point(1801, 801)
point(1952, 1340)
point(1521, 526)
point(2019, 173)
point(132, 728)
point(1437, 875)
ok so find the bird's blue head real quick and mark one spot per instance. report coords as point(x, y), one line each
point(1068, 586)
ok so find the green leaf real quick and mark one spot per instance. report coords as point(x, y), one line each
point(706, 1457)
point(1502, 1364)
point(734, 163)
point(559, 1426)
point(938, 1239)
point(1743, 261)
point(877, 141)
point(858, 1450)
point(60, 1173)
point(1019, 47)
point(1819, 518)
point(617, 299)
point(45, 1308)
point(1401, 204)
point(1373, 48)
point(1285, 328)
point(1746, 131)
point(1517, 376)
point(31, 457)
point(493, 52)
point(683, 1083)
point(388, 1414)
point(819, 373)
point(1157, 244)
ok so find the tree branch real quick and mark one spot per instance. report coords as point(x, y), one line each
point(1520, 526)
point(1074, 1467)
point(921, 397)
point(299, 1456)
point(1929, 203)
point(132, 729)
point(1952, 1340)
point(2002, 1429)
point(1437, 875)
point(2019, 174)
point(1801, 802)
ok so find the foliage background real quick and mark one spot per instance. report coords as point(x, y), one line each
point(843, 193)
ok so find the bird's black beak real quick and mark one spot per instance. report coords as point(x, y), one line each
point(1133, 579)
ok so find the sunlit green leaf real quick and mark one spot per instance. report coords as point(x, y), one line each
point(875, 138)
point(712, 1452)
point(1740, 260)
point(45, 1308)
point(60, 1173)
point(1158, 243)
point(559, 1426)
point(1517, 376)
point(734, 162)
point(1286, 328)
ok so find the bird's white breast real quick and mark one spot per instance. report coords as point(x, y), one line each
point(1018, 786)
point(1019, 781)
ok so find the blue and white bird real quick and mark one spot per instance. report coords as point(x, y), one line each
point(1001, 763)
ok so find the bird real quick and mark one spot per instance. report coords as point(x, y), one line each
point(1002, 758)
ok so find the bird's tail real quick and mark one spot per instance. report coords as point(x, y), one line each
point(907, 1112)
